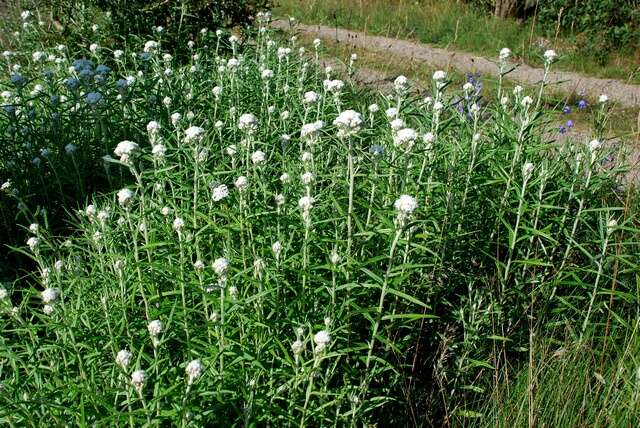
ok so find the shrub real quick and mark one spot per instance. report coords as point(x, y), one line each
point(281, 251)
point(180, 20)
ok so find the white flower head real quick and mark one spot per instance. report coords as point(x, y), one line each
point(439, 76)
point(305, 203)
point(405, 205)
point(526, 101)
point(595, 145)
point(158, 151)
point(241, 183)
point(126, 150)
point(310, 131)
point(178, 224)
point(401, 84)
point(125, 197)
point(220, 192)
point(348, 123)
point(603, 98)
point(155, 328)
point(505, 53)
point(153, 127)
point(221, 266)
point(193, 133)
point(285, 178)
point(333, 86)
point(258, 157)
point(276, 247)
point(248, 123)
point(391, 113)
point(50, 295)
point(123, 358)
point(297, 347)
point(3, 293)
point(33, 243)
point(405, 138)
point(310, 97)
point(321, 339)
point(550, 56)
point(307, 178)
point(194, 370)
point(138, 378)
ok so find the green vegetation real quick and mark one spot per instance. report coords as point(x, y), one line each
point(469, 28)
point(241, 237)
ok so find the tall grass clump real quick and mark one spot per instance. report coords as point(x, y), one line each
point(283, 249)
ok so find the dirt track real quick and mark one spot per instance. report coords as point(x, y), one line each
point(625, 95)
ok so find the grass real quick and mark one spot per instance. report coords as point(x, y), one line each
point(575, 385)
point(459, 26)
point(251, 241)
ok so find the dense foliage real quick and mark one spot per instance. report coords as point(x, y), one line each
point(284, 249)
point(598, 25)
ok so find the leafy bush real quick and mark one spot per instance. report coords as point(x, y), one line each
point(604, 23)
point(274, 257)
point(180, 20)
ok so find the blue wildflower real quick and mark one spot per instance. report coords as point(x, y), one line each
point(376, 150)
point(93, 98)
point(566, 109)
point(72, 83)
point(48, 74)
point(82, 64)
point(121, 84)
point(85, 74)
point(582, 104)
point(17, 80)
point(102, 69)
point(569, 124)
point(563, 130)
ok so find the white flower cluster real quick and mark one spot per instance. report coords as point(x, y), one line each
point(310, 131)
point(405, 138)
point(348, 123)
point(220, 192)
point(194, 370)
point(193, 134)
point(125, 150)
point(405, 206)
point(248, 123)
point(123, 358)
point(322, 340)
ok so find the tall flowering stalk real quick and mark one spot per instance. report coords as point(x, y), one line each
point(348, 124)
point(405, 206)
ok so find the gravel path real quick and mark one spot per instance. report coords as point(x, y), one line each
point(625, 95)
